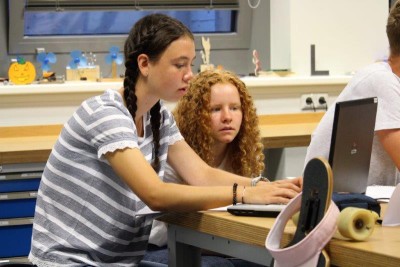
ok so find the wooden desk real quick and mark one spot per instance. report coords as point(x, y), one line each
point(24, 144)
point(288, 130)
point(244, 237)
point(27, 144)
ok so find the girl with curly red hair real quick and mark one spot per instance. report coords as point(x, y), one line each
point(218, 119)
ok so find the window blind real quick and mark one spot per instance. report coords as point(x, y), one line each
point(60, 5)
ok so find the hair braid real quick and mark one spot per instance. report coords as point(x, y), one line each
point(129, 87)
point(155, 120)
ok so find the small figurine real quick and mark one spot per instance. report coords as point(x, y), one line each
point(256, 62)
point(207, 47)
point(205, 54)
point(22, 72)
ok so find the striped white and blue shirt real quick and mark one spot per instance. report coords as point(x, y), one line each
point(85, 214)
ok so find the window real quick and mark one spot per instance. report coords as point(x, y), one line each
point(64, 25)
point(52, 23)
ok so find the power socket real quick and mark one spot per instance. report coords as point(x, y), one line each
point(40, 50)
point(314, 102)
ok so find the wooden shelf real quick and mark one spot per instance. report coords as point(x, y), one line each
point(25, 144)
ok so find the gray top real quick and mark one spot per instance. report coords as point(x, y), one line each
point(374, 80)
point(159, 231)
point(85, 214)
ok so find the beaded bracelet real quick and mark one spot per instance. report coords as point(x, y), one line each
point(234, 201)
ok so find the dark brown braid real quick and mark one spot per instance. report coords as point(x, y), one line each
point(151, 35)
point(155, 127)
point(129, 82)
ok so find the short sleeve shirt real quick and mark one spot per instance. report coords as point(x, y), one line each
point(85, 213)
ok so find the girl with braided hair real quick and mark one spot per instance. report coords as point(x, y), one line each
point(108, 163)
point(218, 120)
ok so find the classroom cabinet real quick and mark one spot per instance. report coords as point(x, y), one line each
point(19, 184)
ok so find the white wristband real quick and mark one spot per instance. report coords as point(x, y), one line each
point(254, 181)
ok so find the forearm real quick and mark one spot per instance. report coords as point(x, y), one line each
point(160, 196)
point(390, 140)
point(183, 198)
point(196, 172)
point(175, 197)
point(216, 177)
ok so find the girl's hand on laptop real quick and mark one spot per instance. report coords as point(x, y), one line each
point(279, 192)
point(298, 181)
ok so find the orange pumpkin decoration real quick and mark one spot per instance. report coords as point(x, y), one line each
point(22, 72)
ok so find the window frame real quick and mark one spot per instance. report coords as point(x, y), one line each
point(20, 44)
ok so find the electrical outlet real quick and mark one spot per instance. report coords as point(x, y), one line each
point(322, 101)
point(314, 102)
point(40, 50)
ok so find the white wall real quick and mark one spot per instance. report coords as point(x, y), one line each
point(348, 34)
point(280, 34)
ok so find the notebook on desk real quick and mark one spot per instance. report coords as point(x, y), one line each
point(349, 157)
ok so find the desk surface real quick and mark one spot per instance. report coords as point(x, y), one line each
point(382, 249)
point(24, 144)
point(288, 130)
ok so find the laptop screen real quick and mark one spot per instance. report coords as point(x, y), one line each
point(351, 144)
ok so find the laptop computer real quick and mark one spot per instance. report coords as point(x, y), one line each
point(349, 157)
point(351, 144)
point(256, 210)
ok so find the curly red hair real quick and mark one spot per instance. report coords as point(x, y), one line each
point(192, 114)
